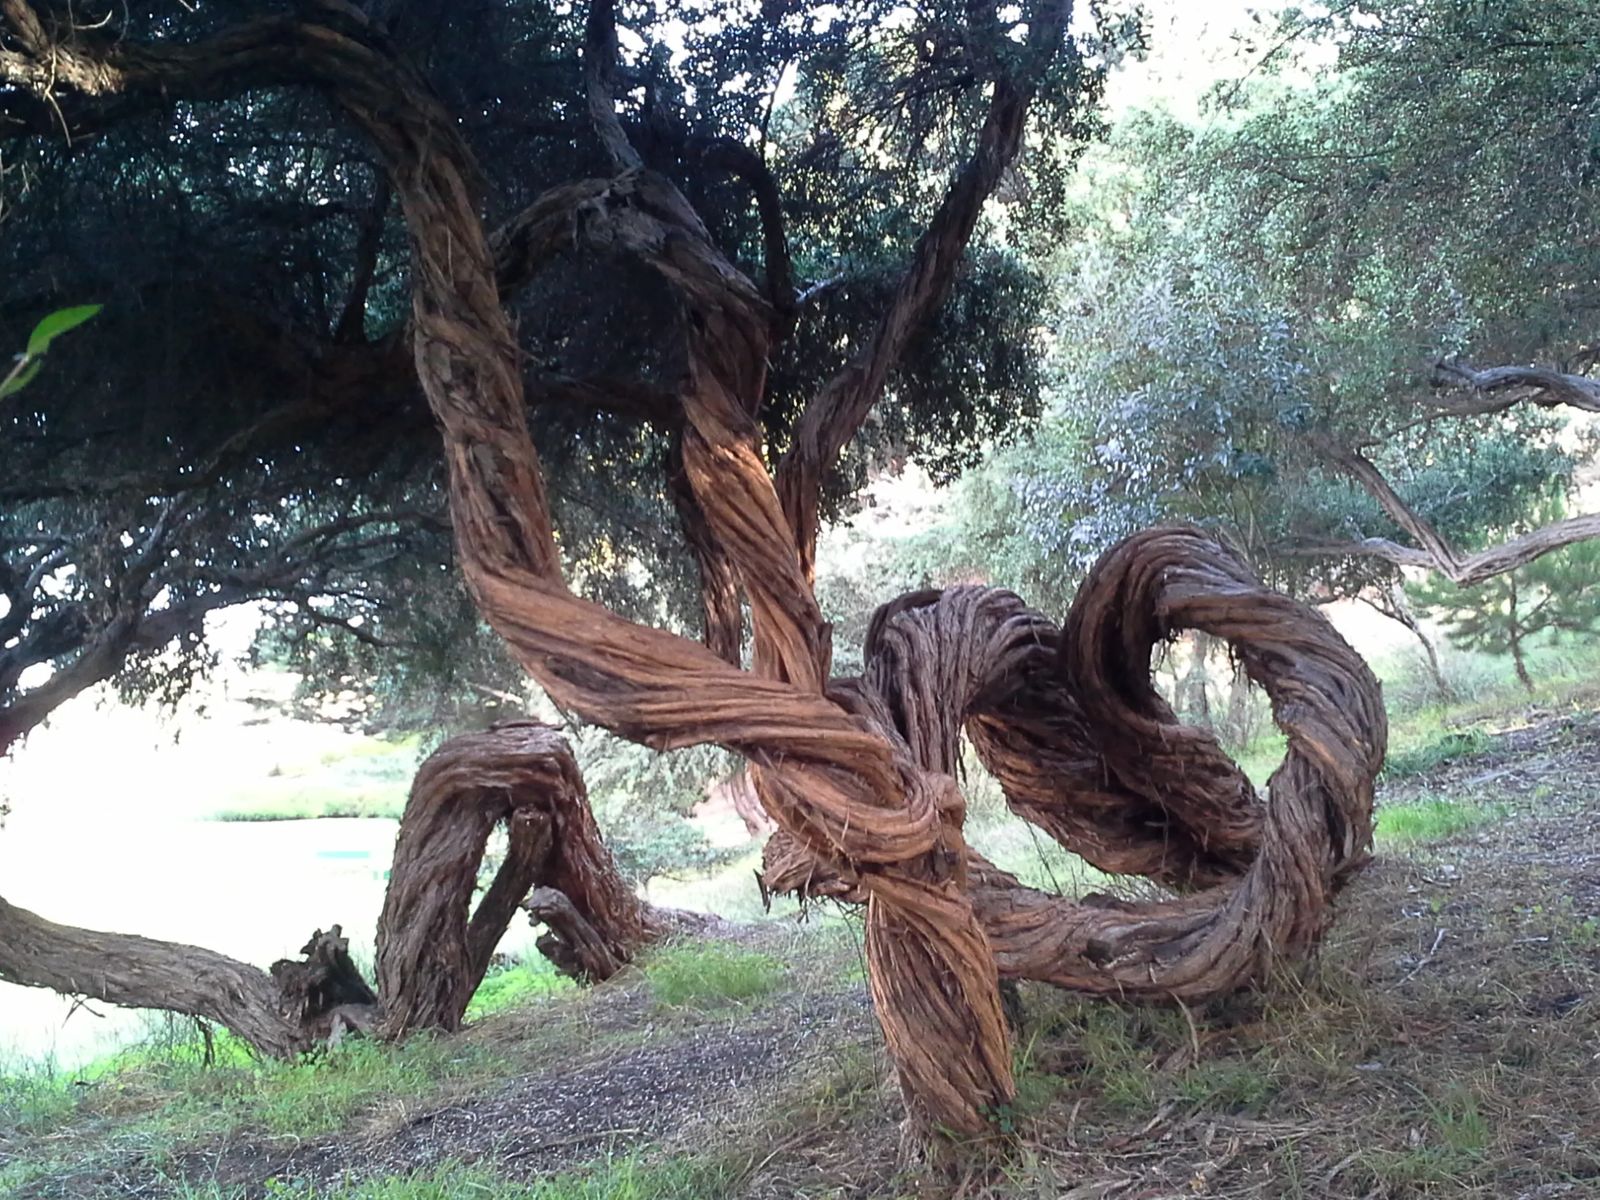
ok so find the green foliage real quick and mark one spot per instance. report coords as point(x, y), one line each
point(34, 1098)
point(708, 974)
point(1433, 819)
point(57, 323)
point(247, 363)
point(1243, 288)
point(233, 1089)
point(1558, 593)
point(512, 985)
point(50, 327)
point(641, 797)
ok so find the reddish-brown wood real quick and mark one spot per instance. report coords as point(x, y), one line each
point(857, 774)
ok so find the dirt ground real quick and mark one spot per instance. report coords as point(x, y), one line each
point(1446, 1042)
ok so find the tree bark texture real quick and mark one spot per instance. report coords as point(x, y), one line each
point(1266, 874)
point(278, 1014)
point(433, 946)
point(431, 953)
point(857, 774)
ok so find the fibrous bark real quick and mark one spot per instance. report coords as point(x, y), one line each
point(431, 954)
point(857, 774)
point(279, 1015)
point(947, 659)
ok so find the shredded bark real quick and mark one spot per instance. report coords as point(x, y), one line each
point(857, 774)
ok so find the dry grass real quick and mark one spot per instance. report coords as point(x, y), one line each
point(1444, 1044)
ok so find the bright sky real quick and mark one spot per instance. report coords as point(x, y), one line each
point(1192, 45)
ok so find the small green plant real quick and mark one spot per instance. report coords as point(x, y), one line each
point(513, 985)
point(1447, 1146)
point(1443, 747)
point(1432, 819)
point(1556, 593)
point(53, 325)
point(1227, 1085)
point(35, 1098)
point(705, 974)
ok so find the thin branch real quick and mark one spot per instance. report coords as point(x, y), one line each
point(1494, 389)
point(837, 413)
point(352, 321)
point(1432, 551)
point(599, 77)
point(727, 154)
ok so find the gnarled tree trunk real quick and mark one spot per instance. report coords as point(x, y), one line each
point(976, 656)
point(857, 774)
point(278, 1014)
point(431, 954)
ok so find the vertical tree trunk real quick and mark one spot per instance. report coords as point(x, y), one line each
point(1515, 635)
point(1401, 611)
point(1239, 725)
point(1193, 700)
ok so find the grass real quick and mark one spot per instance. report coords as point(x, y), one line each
point(1448, 1145)
point(514, 985)
point(705, 975)
point(326, 1093)
point(1433, 819)
point(368, 778)
point(630, 1177)
point(165, 1089)
point(1432, 750)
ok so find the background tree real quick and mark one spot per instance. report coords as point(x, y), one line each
point(1264, 318)
point(1558, 593)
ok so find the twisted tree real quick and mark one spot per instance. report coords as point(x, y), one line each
point(856, 773)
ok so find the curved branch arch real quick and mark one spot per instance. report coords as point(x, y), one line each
point(855, 773)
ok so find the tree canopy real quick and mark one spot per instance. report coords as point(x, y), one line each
point(243, 422)
point(1279, 317)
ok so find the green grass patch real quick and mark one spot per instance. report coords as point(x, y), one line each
point(35, 1099)
point(1433, 750)
point(1227, 1085)
point(705, 974)
point(1456, 1136)
point(368, 778)
point(1432, 819)
point(514, 985)
point(626, 1178)
point(328, 1090)
point(167, 1091)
